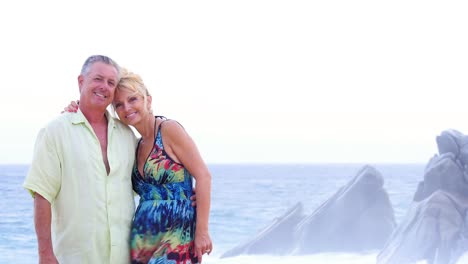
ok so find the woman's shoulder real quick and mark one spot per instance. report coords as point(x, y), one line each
point(171, 124)
point(172, 129)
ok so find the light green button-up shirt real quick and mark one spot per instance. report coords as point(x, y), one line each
point(91, 211)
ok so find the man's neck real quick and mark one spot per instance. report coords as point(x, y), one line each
point(94, 116)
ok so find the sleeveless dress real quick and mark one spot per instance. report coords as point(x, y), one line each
point(163, 228)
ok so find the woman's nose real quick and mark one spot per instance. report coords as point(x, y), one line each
point(126, 106)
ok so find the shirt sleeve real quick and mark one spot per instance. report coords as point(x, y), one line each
point(44, 176)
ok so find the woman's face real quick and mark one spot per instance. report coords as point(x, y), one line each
point(130, 106)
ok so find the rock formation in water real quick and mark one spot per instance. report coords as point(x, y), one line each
point(276, 239)
point(435, 228)
point(359, 216)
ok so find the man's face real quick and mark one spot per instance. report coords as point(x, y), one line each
point(98, 85)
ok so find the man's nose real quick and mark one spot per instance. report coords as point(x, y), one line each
point(106, 85)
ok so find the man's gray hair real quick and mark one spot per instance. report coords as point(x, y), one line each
point(99, 58)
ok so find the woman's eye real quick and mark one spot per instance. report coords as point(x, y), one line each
point(133, 99)
point(118, 105)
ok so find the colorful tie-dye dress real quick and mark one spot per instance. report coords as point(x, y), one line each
point(163, 228)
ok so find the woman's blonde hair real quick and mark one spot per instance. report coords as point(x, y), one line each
point(133, 83)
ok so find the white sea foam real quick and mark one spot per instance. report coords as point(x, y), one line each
point(325, 258)
point(463, 259)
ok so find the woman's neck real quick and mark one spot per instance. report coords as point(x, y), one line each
point(146, 128)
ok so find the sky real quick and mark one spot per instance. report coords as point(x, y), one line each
point(251, 81)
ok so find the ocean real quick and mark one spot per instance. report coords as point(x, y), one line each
point(245, 199)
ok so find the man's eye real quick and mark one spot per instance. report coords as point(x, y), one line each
point(133, 99)
point(118, 105)
point(112, 84)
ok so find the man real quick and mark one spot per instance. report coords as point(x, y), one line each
point(80, 176)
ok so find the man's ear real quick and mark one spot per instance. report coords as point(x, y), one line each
point(80, 81)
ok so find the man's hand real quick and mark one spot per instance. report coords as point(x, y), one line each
point(193, 198)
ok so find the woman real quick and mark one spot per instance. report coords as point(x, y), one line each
point(166, 158)
point(165, 228)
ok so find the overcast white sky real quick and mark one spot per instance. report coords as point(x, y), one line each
point(252, 81)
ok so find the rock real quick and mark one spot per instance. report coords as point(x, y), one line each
point(276, 239)
point(358, 217)
point(447, 142)
point(419, 194)
point(432, 230)
point(455, 142)
point(442, 173)
point(435, 229)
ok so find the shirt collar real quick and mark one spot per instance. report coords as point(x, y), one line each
point(79, 118)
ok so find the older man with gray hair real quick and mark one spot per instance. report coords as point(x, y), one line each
point(80, 176)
